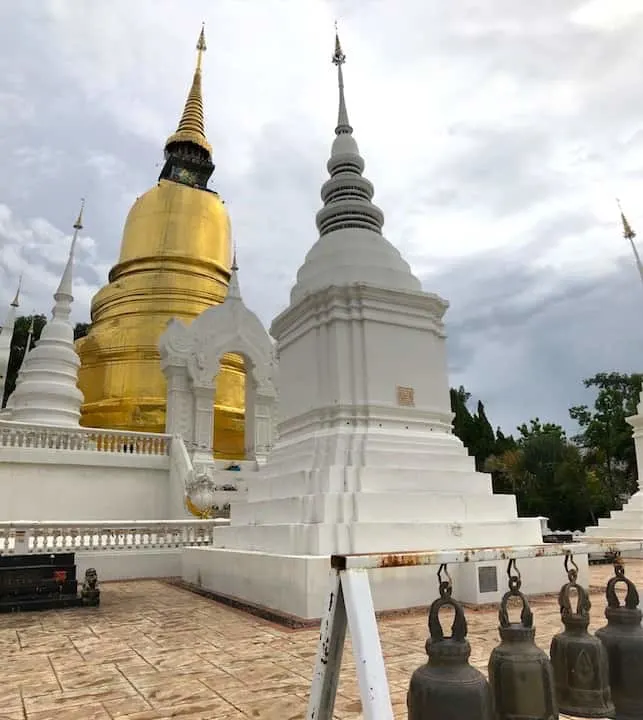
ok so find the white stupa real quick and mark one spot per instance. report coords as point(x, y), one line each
point(6, 334)
point(366, 460)
point(627, 523)
point(47, 389)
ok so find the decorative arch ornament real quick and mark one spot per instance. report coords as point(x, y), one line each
point(191, 357)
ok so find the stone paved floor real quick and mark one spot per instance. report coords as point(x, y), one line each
point(153, 652)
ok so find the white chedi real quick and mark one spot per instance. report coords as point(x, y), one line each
point(47, 391)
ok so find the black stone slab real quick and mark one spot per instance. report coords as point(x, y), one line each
point(38, 582)
point(45, 603)
point(34, 579)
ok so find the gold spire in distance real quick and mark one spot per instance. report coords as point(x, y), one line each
point(191, 126)
point(16, 301)
point(78, 225)
point(629, 234)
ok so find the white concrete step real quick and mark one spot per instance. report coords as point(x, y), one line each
point(328, 539)
point(371, 479)
point(375, 508)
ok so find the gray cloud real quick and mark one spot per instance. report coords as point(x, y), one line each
point(496, 136)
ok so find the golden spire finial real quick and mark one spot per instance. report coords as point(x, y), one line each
point(201, 47)
point(16, 300)
point(78, 225)
point(629, 234)
point(191, 126)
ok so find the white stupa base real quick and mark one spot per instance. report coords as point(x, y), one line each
point(411, 491)
point(297, 585)
point(625, 524)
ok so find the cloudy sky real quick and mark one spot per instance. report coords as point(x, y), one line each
point(497, 134)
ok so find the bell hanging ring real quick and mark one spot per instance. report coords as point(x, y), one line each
point(520, 673)
point(623, 640)
point(447, 687)
point(581, 672)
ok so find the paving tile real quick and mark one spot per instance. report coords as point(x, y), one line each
point(154, 652)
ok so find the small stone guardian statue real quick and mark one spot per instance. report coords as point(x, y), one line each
point(90, 593)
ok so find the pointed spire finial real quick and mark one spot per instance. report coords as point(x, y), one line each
point(234, 292)
point(16, 300)
point(339, 58)
point(63, 294)
point(629, 234)
point(191, 127)
point(78, 225)
point(201, 47)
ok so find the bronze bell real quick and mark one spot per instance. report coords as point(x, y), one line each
point(520, 673)
point(623, 640)
point(447, 687)
point(581, 672)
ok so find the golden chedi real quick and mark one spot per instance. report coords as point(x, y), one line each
point(174, 262)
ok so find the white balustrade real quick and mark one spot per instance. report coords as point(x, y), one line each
point(50, 437)
point(30, 537)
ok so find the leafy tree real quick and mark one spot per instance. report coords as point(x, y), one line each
point(462, 420)
point(547, 474)
point(19, 346)
point(606, 437)
point(81, 330)
point(19, 349)
point(474, 430)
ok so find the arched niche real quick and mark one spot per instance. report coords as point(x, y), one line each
point(191, 358)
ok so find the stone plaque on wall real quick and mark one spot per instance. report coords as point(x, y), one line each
point(405, 396)
point(488, 578)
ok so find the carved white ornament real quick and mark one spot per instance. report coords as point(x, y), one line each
point(191, 358)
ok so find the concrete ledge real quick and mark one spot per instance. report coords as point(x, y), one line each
point(297, 586)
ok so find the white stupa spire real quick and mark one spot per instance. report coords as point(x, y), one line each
point(6, 335)
point(234, 291)
point(47, 389)
point(351, 248)
point(347, 195)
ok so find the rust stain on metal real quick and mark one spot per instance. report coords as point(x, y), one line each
point(400, 560)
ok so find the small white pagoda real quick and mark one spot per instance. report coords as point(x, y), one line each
point(47, 390)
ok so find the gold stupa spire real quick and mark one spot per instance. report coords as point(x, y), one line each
point(191, 127)
point(629, 234)
point(16, 300)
